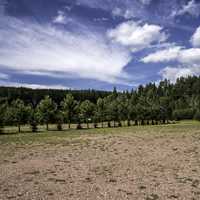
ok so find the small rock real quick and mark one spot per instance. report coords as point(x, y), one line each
point(152, 197)
point(142, 187)
point(112, 180)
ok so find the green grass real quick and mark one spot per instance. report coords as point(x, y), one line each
point(72, 135)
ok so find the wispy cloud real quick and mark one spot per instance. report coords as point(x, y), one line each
point(44, 48)
point(33, 86)
point(192, 8)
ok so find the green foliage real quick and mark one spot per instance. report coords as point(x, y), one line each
point(59, 119)
point(69, 107)
point(87, 111)
point(17, 113)
point(181, 114)
point(149, 104)
point(101, 110)
point(3, 107)
point(34, 120)
point(47, 110)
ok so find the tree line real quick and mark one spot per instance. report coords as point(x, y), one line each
point(150, 104)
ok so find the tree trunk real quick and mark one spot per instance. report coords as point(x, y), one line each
point(136, 122)
point(152, 122)
point(109, 124)
point(87, 125)
point(79, 126)
point(69, 125)
point(114, 123)
point(128, 123)
point(1, 129)
point(102, 124)
point(59, 127)
point(47, 126)
point(19, 128)
point(142, 122)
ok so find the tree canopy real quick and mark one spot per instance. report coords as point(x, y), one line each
point(148, 104)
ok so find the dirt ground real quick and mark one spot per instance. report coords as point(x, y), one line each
point(104, 167)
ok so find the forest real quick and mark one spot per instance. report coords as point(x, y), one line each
point(149, 104)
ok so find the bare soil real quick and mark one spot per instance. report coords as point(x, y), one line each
point(104, 167)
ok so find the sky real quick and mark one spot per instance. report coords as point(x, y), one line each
point(97, 44)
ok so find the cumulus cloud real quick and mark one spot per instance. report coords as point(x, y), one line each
point(192, 8)
point(187, 59)
point(179, 54)
point(165, 55)
point(173, 73)
point(137, 36)
point(195, 39)
point(45, 49)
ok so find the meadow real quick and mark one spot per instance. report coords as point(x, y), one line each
point(137, 162)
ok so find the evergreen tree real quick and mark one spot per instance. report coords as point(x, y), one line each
point(69, 106)
point(87, 111)
point(18, 114)
point(34, 120)
point(101, 110)
point(3, 107)
point(47, 110)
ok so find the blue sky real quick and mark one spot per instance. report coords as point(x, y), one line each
point(97, 44)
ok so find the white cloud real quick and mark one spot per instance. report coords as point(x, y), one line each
point(191, 8)
point(190, 56)
point(185, 56)
point(60, 18)
point(172, 73)
point(33, 86)
point(45, 49)
point(4, 76)
point(136, 36)
point(195, 39)
point(187, 59)
point(165, 55)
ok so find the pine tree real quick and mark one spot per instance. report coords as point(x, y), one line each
point(69, 106)
point(47, 110)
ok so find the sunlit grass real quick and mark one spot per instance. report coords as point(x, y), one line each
point(65, 136)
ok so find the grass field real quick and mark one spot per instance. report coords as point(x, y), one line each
point(138, 162)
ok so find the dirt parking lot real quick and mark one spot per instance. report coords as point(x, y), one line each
point(147, 164)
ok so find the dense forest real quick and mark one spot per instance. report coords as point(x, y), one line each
point(150, 104)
